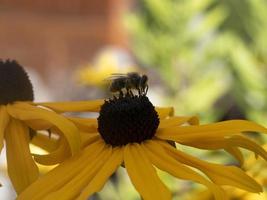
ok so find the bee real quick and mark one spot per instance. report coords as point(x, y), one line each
point(129, 81)
point(117, 84)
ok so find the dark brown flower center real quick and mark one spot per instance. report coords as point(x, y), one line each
point(15, 84)
point(127, 119)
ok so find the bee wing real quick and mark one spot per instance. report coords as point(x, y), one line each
point(118, 74)
point(133, 74)
point(129, 74)
point(121, 75)
point(114, 77)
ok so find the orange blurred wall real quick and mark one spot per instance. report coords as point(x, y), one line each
point(45, 34)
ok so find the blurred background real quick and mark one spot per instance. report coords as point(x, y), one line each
point(204, 57)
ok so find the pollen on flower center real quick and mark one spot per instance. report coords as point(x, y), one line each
point(127, 119)
point(15, 84)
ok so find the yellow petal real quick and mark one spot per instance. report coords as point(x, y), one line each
point(219, 174)
point(89, 138)
point(62, 174)
point(102, 175)
point(85, 124)
point(203, 132)
point(59, 155)
point(143, 175)
point(24, 111)
point(167, 163)
point(39, 124)
point(22, 170)
point(75, 106)
point(234, 151)
point(210, 144)
point(247, 143)
point(165, 112)
point(4, 119)
point(44, 142)
point(178, 121)
point(233, 141)
point(215, 144)
point(77, 184)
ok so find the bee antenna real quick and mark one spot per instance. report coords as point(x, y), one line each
point(121, 94)
point(131, 93)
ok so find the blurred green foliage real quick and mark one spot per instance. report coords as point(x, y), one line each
point(212, 55)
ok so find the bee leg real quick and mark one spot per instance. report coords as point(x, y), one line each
point(121, 94)
point(131, 93)
point(146, 89)
point(139, 91)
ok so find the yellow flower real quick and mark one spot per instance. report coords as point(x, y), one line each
point(130, 132)
point(18, 119)
point(105, 65)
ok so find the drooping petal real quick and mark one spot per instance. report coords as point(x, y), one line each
point(167, 163)
point(63, 174)
point(202, 132)
point(233, 141)
point(24, 111)
point(22, 169)
point(88, 138)
point(247, 143)
point(4, 119)
point(143, 175)
point(215, 144)
point(85, 124)
point(219, 174)
point(39, 124)
point(102, 175)
point(165, 112)
point(178, 121)
point(209, 144)
point(75, 106)
point(235, 151)
point(57, 156)
point(94, 106)
point(87, 175)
